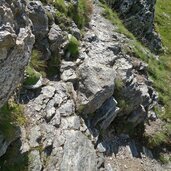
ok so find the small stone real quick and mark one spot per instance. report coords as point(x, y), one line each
point(101, 148)
point(50, 113)
point(34, 136)
point(48, 91)
point(56, 120)
point(67, 108)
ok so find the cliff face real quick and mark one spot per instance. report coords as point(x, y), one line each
point(138, 17)
point(16, 41)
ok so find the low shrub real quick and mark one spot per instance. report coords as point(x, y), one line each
point(32, 76)
point(73, 47)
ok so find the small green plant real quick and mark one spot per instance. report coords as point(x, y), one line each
point(53, 64)
point(11, 116)
point(119, 95)
point(60, 5)
point(36, 62)
point(164, 159)
point(156, 139)
point(73, 46)
point(32, 76)
point(81, 12)
point(63, 21)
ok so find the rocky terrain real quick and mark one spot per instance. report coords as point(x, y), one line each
point(138, 17)
point(16, 44)
point(80, 118)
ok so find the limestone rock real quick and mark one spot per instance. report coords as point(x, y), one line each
point(105, 115)
point(79, 153)
point(15, 37)
point(96, 85)
point(35, 162)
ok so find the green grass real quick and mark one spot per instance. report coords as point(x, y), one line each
point(11, 116)
point(37, 62)
point(159, 70)
point(60, 5)
point(73, 47)
point(81, 12)
point(163, 27)
point(53, 66)
point(32, 76)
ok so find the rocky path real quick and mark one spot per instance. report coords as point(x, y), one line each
point(57, 137)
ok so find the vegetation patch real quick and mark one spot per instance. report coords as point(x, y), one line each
point(32, 76)
point(73, 46)
point(11, 116)
point(13, 160)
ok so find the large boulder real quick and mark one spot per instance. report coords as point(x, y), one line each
point(16, 41)
point(96, 85)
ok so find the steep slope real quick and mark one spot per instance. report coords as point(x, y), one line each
point(138, 17)
point(56, 138)
point(80, 117)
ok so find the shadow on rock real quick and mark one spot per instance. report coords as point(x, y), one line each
point(14, 160)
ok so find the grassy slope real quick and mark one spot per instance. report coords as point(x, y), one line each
point(163, 26)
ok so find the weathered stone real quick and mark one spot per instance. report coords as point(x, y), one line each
point(16, 41)
point(38, 18)
point(48, 91)
point(79, 153)
point(69, 75)
point(72, 122)
point(67, 108)
point(56, 120)
point(56, 38)
point(106, 113)
point(101, 148)
point(35, 163)
point(96, 85)
point(34, 136)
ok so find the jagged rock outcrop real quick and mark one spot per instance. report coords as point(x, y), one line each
point(71, 121)
point(67, 117)
point(138, 17)
point(16, 41)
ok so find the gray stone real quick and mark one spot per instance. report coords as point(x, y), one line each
point(15, 37)
point(56, 120)
point(106, 113)
point(65, 65)
point(95, 87)
point(101, 148)
point(79, 153)
point(56, 38)
point(35, 163)
point(72, 122)
point(48, 91)
point(34, 136)
point(67, 108)
point(69, 75)
point(50, 112)
point(38, 18)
